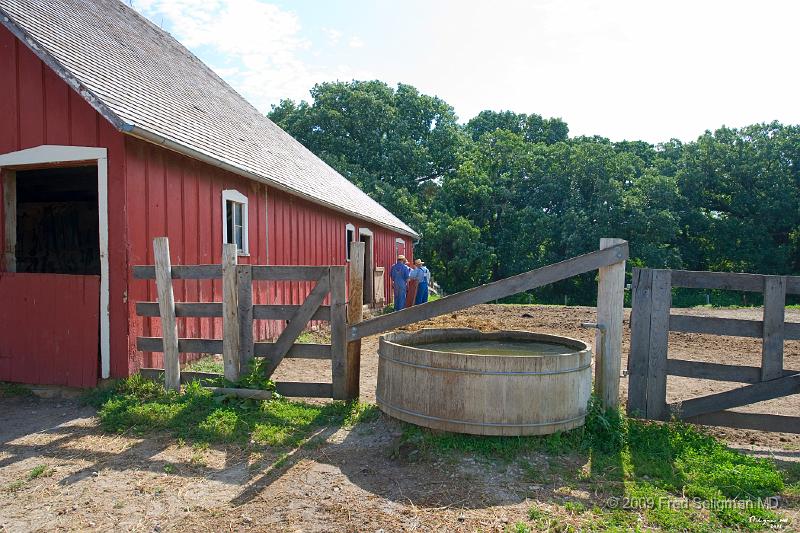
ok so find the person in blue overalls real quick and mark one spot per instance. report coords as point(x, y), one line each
point(399, 274)
point(423, 277)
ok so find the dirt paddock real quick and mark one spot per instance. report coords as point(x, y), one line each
point(357, 480)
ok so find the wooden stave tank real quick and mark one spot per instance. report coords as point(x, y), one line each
point(413, 382)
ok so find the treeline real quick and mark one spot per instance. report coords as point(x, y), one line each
point(508, 192)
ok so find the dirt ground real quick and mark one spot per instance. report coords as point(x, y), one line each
point(345, 480)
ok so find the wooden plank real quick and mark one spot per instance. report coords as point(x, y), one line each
point(717, 371)
point(355, 314)
point(731, 327)
point(610, 310)
point(758, 392)
point(187, 376)
point(10, 219)
point(297, 351)
point(298, 323)
point(285, 312)
point(156, 344)
point(638, 356)
point(734, 281)
point(757, 421)
point(166, 305)
point(181, 272)
point(205, 309)
point(244, 284)
point(659, 340)
point(338, 333)
point(230, 312)
point(250, 394)
point(491, 291)
point(288, 273)
point(209, 377)
point(774, 316)
point(298, 389)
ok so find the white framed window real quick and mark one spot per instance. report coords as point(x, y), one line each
point(349, 236)
point(399, 247)
point(234, 220)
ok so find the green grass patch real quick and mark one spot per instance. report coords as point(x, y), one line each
point(11, 390)
point(314, 337)
point(39, 471)
point(674, 475)
point(139, 405)
point(208, 363)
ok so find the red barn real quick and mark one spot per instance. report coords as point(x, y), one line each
point(112, 133)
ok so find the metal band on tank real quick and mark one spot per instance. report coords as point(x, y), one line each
point(484, 424)
point(484, 373)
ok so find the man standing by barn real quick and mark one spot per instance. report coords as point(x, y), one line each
point(399, 274)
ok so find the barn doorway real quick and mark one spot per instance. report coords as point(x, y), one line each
point(57, 221)
point(365, 236)
point(54, 275)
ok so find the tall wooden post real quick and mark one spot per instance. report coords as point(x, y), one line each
point(608, 339)
point(338, 332)
point(244, 274)
point(772, 344)
point(9, 184)
point(166, 307)
point(355, 314)
point(230, 312)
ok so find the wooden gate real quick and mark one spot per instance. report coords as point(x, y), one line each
point(49, 329)
point(238, 312)
point(649, 364)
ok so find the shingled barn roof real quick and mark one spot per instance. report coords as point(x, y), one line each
point(149, 85)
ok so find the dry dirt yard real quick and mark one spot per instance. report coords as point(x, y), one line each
point(60, 471)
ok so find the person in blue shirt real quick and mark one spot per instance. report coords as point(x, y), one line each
point(423, 277)
point(399, 274)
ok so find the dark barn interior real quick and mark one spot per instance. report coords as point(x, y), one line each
point(57, 221)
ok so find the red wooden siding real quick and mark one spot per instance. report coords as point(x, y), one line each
point(48, 327)
point(154, 192)
point(37, 107)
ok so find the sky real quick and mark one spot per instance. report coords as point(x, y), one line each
point(638, 70)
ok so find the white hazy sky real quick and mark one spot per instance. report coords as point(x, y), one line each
point(649, 70)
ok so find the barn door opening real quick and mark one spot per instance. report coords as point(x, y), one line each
point(57, 221)
point(365, 236)
point(54, 320)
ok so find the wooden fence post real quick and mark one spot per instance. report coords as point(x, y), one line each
point(355, 313)
point(166, 308)
point(9, 184)
point(608, 341)
point(230, 312)
point(338, 333)
point(774, 314)
point(244, 275)
point(658, 345)
point(641, 300)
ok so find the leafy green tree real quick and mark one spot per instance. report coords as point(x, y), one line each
point(390, 142)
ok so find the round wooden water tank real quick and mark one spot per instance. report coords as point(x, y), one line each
point(484, 394)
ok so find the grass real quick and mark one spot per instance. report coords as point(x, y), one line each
point(673, 475)
point(39, 471)
point(34, 473)
point(142, 406)
point(11, 390)
point(208, 363)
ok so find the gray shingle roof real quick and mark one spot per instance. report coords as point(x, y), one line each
point(149, 85)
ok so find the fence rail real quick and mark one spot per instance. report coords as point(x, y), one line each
point(649, 365)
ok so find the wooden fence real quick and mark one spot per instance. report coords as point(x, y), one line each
point(238, 313)
point(609, 260)
point(649, 365)
point(347, 328)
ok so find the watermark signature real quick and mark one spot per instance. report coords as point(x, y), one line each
point(662, 502)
